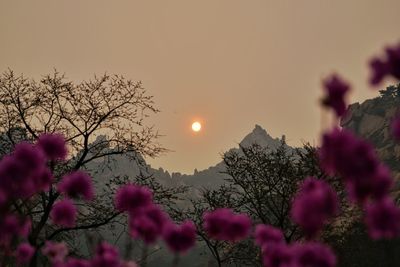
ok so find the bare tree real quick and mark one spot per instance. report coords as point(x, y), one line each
point(108, 105)
point(261, 182)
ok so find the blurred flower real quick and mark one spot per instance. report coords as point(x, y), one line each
point(24, 253)
point(315, 203)
point(312, 255)
point(388, 66)
point(132, 197)
point(56, 252)
point(53, 146)
point(223, 224)
point(64, 213)
point(147, 223)
point(383, 219)
point(279, 255)
point(180, 238)
point(13, 226)
point(76, 184)
point(336, 89)
point(106, 256)
point(266, 235)
point(395, 127)
point(72, 262)
point(356, 161)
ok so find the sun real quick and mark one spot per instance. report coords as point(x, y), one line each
point(196, 126)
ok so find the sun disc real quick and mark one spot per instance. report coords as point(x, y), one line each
point(196, 126)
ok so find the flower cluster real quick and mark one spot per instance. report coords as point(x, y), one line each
point(336, 89)
point(149, 222)
point(277, 253)
point(224, 224)
point(367, 180)
point(388, 66)
point(315, 203)
point(105, 256)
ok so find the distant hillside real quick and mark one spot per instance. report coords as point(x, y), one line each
point(212, 177)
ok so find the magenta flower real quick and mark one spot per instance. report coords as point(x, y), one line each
point(313, 255)
point(129, 264)
point(395, 127)
point(56, 252)
point(43, 179)
point(356, 161)
point(147, 223)
point(383, 219)
point(77, 184)
point(223, 224)
point(132, 197)
point(336, 89)
point(24, 253)
point(344, 153)
point(267, 235)
point(315, 203)
point(64, 213)
point(29, 157)
point(376, 186)
point(53, 146)
point(180, 238)
point(106, 256)
point(279, 255)
point(11, 227)
point(379, 70)
point(388, 66)
point(72, 262)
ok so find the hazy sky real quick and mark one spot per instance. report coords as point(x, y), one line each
point(231, 63)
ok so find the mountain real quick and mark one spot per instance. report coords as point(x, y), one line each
point(213, 176)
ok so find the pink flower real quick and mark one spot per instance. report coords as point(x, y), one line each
point(313, 255)
point(77, 184)
point(11, 227)
point(24, 253)
point(129, 264)
point(376, 186)
point(43, 179)
point(336, 89)
point(106, 256)
point(395, 127)
point(356, 161)
point(388, 66)
point(383, 219)
point(29, 157)
point(266, 235)
point(315, 203)
point(180, 238)
point(56, 252)
point(223, 224)
point(72, 262)
point(147, 223)
point(64, 213)
point(279, 255)
point(132, 197)
point(53, 146)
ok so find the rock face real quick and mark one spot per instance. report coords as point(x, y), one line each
point(371, 120)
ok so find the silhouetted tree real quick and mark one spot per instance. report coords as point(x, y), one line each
point(262, 183)
point(108, 105)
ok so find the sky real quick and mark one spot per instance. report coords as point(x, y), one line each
point(228, 63)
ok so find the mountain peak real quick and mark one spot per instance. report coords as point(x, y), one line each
point(260, 136)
